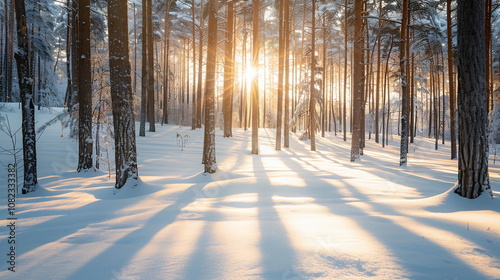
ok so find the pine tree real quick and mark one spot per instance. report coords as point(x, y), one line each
point(84, 88)
point(358, 81)
point(25, 79)
point(255, 81)
point(403, 62)
point(473, 177)
point(228, 72)
point(121, 95)
point(209, 159)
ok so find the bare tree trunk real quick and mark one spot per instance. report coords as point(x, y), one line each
point(487, 38)
point(25, 79)
point(255, 81)
point(312, 90)
point(209, 159)
point(473, 177)
point(451, 83)
point(195, 100)
point(377, 89)
point(403, 62)
point(358, 81)
point(121, 95)
point(228, 73)
point(281, 57)
point(286, 130)
point(150, 67)
point(144, 69)
point(84, 88)
point(9, 48)
point(344, 107)
point(166, 71)
point(199, 98)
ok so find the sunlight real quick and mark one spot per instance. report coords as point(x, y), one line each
point(250, 73)
point(468, 252)
point(173, 242)
point(317, 238)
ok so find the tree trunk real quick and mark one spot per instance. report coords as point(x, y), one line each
point(25, 79)
point(378, 82)
point(228, 73)
point(144, 69)
point(286, 129)
point(166, 69)
point(209, 159)
point(255, 81)
point(358, 81)
point(200, 73)
point(403, 63)
point(312, 90)
point(473, 177)
point(451, 83)
point(281, 57)
point(150, 67)
point(121, 95)
point(85, 141)
point(344, 105)
point(195, 100)
point(9, 49)
point(487, 38)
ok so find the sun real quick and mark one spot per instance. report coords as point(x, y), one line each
point(250, 73)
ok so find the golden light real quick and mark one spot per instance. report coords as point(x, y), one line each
point(250, 73)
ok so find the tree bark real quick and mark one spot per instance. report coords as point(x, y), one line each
point(209, 158)
point(403, 64)
point(473, 177)
point(255, 81)
point(150, 67)
point(286, 22)
point(312, 89)
point(228, 73)
point(358, 81)
point(25, 79)
point(85, 141)
point(121, 95)
point(144, 70)
point(281, 57)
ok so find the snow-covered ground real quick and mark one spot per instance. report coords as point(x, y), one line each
point(291, 214)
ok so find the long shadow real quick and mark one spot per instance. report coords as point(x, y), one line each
point(449, 226)
point(391, 171)
point(405, 250)
point(57, 228)
point(119, 254)
point(202, 264)
point(277, 253)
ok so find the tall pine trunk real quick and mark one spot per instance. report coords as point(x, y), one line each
point(121, 95)
point(85, 141)
point(312, 90)
point(228, 73)
point(144, 69)
point(195, 100)
point(25, 79)
point(358, 82)
point(209, 159)
point(281, 54)
point(286, 128)
point(150, 67)
point(403, 63)
point(451, 82)
point(255, 81)
point(473, 177)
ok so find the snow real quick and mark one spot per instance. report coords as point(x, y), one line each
point(290, 214)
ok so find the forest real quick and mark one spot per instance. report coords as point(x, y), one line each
point(371, 69)
point(389, 104)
